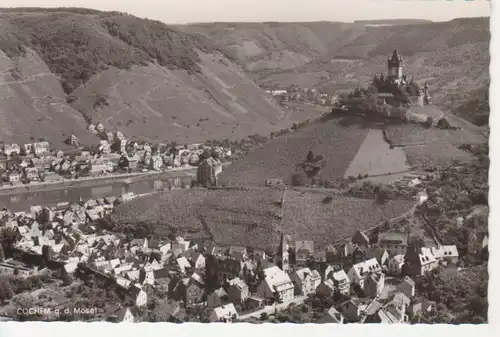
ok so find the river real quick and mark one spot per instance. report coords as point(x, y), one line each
point(22, 201)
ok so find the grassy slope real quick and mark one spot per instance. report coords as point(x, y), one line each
point(248, 216)
point(451, 56)
point(336, 142)
point(156, 80)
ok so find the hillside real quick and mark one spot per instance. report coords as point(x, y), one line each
point(61, 68)
point(452, 57)
point(249, 216)
point(351, 146)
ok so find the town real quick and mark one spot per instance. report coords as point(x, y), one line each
point(67, 251)
point(36, 163)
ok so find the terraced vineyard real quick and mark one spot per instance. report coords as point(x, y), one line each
point(250, 216)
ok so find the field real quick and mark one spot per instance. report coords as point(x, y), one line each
point(337, 143)
point(250, 216)
point(375, 157)
point(350, 145)
point(408, 134)
point(438, 153)
point(307, 216)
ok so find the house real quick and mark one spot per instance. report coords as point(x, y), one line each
point(390, 314)
point(156, 162)
point(228, 268)
point(99, 127)
point(381, 254)
point(138, 295)
point(401, 299)
point(217, 298)
point(237, 291)
point(360, 271)
point(14, 177)
point(360, 239)
point(395, 265)
point(195, 290)
point(420, 308)
point(305, 281)
point(303, 250)
point(394, 243)
point(419, 260)
point(332, 316)
point(197, 260)
point(183, 264)
point(354, 308)
point(326, 288)
point(121, 315)
point(407, 287)
point(226, 313)
point(450, 254)
point(374, 284)
point(276, 284)
point(41, 148)
point(207, 172)
point(11, 150)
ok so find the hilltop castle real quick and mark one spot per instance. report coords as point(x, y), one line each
point(396, 76)
point(395, 69)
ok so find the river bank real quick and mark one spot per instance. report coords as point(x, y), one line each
point(94, 181)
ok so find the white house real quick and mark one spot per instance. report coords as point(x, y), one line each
point(305, 281)
point(278, 281)
point(360, 271)
point(138, 295)
point(396, 264)
point(225, 313)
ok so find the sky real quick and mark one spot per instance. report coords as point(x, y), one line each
point(188, 11)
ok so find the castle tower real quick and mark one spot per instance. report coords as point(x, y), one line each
point(395, 67)
point(282, 258)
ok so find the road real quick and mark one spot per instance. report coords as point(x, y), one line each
point(270, 309)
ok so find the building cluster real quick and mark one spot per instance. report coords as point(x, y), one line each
point(38, 163)
point(303, 95)
point(372, 274)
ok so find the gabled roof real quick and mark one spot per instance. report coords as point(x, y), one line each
point(239, 283)
point(225, 311)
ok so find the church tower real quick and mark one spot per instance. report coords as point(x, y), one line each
point(282, 258)
point(395, 68)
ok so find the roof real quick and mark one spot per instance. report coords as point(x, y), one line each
point(239, 283)
point(400, 258)
point(304, 245)
point(450, 251)
point(393, 238)
point(340, 276)
point(275, 277)
point(224, 311)
point(333, 313)
point(220, 292)
point(305, 272)
point(362, 268)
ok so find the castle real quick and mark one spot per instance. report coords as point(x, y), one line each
point(395, 76)
point(395, 69)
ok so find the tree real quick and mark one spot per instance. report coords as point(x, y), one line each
point(297, 179)
point(6, 292)
point(429, 121)
point(310, 156)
